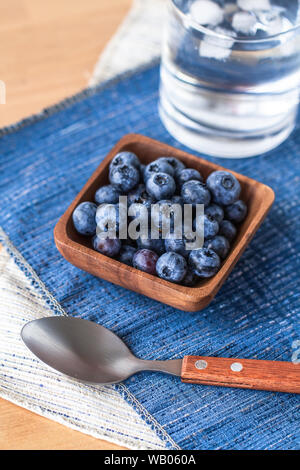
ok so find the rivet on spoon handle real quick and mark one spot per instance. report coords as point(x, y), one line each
point(273, 376)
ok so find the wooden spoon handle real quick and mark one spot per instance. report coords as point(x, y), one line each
point(274, 376)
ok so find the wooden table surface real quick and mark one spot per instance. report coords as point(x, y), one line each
point(48, 50)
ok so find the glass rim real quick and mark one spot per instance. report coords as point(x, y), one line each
point(207, 31)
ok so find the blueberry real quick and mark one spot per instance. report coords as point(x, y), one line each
point(177, 245)
point(227, 229)
point(161, 186)
point(236, 212)
point(215, 211)
point(188, 174)
point(190, 279)
point(171, 267)
point(124, 177)
point(211, 226)
point(204, 262)
point(124, 158)
point(158, 166)
point(84, 218)
point(152, 244)
point(219, 244)
point(107, 194)
point(224, 187)
point(107, 246)
point(126, 254)
point(145, 260)
point(107, 214)
point(195, 192)
point(175, 163)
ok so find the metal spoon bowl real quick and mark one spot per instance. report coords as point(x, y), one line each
point(87, 351)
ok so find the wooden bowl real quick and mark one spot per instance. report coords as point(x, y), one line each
point(78, 250)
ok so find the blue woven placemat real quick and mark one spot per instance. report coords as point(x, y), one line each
point(45, 161)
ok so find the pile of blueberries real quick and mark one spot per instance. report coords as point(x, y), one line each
point(166, 181)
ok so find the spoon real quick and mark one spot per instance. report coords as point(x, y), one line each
point(91, 353)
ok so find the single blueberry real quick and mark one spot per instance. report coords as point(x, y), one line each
point(178, 245)
point(84, 218)
point(215, 211)
point(174, 162)
point(107, 195)
point(124, 177)
point(188, 174)
point(161, 186)
point(224, 187)
point(126, 254)
point(236, 212)
point(195, 192)
point(219, 244)
point(227, 229)
point(204, 262)
point(171, 267)
point(158, 166)
point(190, 279)
point(107, 246)
point(145, 260)
point(124, 158)
point(210, 224)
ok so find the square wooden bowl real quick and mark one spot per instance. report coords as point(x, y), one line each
point(78, 250)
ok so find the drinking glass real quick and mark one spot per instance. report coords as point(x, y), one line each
point(230, 74)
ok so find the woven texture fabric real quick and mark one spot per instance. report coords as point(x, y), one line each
point(100, 411)
point(255, 315)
